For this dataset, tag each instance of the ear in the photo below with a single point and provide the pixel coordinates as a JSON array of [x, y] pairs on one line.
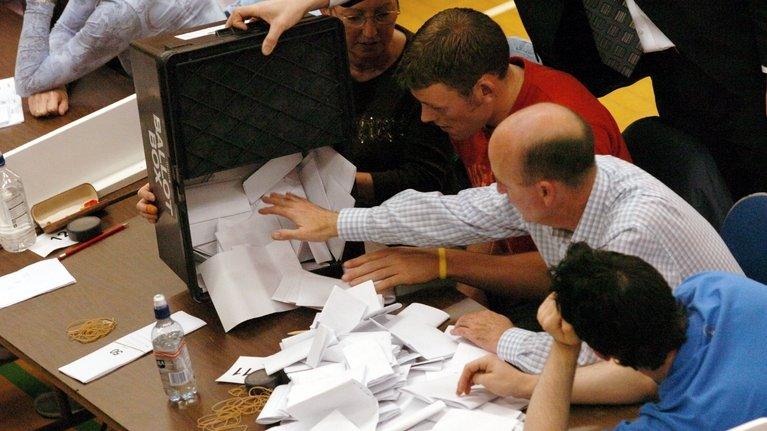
[[547, 191], [486, 87]]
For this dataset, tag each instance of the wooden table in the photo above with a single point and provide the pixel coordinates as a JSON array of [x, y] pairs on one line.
[[98, 89]]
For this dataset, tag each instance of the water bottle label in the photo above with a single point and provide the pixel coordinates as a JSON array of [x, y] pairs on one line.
[[176, 365], [17, 209]]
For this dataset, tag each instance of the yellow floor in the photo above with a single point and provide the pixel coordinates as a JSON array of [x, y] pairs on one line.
[[627, 104]]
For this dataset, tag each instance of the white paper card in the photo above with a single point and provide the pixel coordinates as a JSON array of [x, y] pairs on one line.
[[268, 175], [33, 280], [425, 314], [349, 397], [427, 340], [243, 366], [209, 201], [47, 242], [342, 312], [274, 409]]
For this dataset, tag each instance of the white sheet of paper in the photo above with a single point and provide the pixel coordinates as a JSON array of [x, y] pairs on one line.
[[342, 312], [274, 409], [443, 388], [367, 355], [326, 372], [423, 313], [322, 336], [292, 274], [204, 232], [509, 407], [11, 111], [269, 175], [254, 229], [456, 338], [427, 340], [32, 280], [101, 362], [241, 283], [315, 192], [366, 292], [461, 419], [316, 289], [243, 366], [287, 356], [209, 201], [47, 242], [335, 421], [349, 397], [465, 353], [332, 165], [405, 422]]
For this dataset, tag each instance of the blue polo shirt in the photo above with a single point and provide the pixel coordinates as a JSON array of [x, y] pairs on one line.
[[719, 377]]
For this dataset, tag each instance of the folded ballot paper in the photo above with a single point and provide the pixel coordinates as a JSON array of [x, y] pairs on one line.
[[246, 273], [357, 368], [123, 351]]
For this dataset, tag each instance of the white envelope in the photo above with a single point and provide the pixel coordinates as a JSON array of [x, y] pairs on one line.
[[349, 397], [425, 314], [274, 409], [427, 340]]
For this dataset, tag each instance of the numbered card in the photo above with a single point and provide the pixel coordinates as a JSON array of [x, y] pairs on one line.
[[48, 242], [243, 366]]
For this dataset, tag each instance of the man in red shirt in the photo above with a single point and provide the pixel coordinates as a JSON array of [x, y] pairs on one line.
[[457, 66]]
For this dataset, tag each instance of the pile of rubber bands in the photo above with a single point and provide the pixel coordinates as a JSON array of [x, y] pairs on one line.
[[227, 414], [87, 331]]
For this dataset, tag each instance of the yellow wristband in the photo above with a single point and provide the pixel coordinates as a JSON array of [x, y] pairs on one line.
[[442, 263]]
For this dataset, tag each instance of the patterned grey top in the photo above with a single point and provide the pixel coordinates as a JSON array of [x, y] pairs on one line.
[[628, 211], [90, 32]]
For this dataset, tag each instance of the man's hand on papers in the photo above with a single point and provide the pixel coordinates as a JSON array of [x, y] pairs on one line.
[[53, 102], [552, 322], [497, 376], [315, 224], [280, 14], [392, 267], [483, 328], [145, 205]]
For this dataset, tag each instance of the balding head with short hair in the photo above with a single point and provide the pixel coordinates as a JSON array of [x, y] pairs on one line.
[[545, 142]]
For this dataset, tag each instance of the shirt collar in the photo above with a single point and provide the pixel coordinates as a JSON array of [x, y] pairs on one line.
[[592, 220]]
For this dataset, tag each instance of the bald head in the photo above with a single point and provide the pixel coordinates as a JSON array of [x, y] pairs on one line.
[[543, 141]]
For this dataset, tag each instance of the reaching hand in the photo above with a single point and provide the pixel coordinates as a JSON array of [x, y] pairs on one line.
[[314, 223], [551, 321], [497, 376], [483, 328], [393, 266], [145, 205], [280, 14], [53, 102]]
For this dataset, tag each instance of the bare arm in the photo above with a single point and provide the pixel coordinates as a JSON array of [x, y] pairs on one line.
[[549, 408]]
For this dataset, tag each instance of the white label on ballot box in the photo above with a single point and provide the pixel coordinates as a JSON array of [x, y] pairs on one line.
[[123, 351]]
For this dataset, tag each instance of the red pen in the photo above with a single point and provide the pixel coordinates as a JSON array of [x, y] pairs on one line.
[[75, 248]]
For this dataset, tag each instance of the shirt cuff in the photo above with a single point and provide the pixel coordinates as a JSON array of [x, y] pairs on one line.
[[351, 224], [511, 340]]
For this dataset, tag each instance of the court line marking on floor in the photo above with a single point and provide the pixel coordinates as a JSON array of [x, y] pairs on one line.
[[501, 9]]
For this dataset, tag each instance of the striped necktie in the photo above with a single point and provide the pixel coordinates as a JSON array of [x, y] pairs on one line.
[[614, 33]]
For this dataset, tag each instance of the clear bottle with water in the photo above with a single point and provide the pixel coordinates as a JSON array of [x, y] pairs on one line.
[[172, 356], [17, 230]]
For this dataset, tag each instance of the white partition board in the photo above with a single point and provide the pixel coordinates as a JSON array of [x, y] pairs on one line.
[[103, 148]]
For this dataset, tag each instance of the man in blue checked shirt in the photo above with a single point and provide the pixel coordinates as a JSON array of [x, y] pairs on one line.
[[550, 186], [703, 344]]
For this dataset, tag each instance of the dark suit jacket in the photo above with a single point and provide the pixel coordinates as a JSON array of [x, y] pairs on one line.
[[726, 39]]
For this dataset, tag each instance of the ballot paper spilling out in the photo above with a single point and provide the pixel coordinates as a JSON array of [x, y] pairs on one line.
[[33, 280], [461, 420], [123, 351], [224, 210], [353, 369], [11, 111]]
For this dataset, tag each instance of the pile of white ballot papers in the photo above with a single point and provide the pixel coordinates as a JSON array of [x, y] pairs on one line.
[[246, 273], [360, 368]]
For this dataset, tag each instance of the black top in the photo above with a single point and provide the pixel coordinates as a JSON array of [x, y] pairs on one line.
[[391, 142]]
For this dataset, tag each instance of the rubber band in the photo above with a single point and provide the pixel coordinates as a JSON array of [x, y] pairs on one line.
[[90, 330], [227, 414]]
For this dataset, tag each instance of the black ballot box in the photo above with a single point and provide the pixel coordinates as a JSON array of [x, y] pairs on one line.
[[210, 101]]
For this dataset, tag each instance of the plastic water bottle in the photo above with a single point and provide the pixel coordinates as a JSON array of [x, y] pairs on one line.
[[17, 230], [172, 356]]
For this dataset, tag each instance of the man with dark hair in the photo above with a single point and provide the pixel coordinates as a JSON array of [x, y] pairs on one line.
[[611, 205], [703, 344]]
